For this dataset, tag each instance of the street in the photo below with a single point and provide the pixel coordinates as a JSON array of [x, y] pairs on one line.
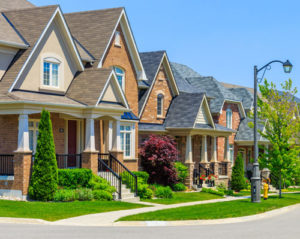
[[283, 226]]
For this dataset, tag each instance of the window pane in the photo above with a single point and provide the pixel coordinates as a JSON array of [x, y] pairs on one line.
[[46, 73], [120, 80], [118, 70], [122, 141], [127, 149], [30, 124], [31, 139], [121, 127], [159, 105], [54, 75], [127, 128]]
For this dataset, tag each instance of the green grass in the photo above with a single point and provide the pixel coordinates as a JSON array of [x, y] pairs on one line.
[[218, 210], [291, 190], [52, 211], [181, 197]]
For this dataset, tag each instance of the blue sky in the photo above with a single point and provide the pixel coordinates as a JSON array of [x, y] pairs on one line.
[[224, 39]]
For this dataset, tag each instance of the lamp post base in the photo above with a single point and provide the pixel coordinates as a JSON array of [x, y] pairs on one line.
[[255, 184]]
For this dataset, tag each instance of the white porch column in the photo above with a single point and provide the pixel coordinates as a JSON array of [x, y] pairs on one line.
[[188, 150], [214, 149], [204, 149], [90, 135], [23, 134], [227, 153], [116, 136], [110, 134]]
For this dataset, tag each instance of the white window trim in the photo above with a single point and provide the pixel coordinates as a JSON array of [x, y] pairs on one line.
[[124, 76], [35, 129], [231, 156], [117, 39], [229, 110], [132, 139], [161, 105]]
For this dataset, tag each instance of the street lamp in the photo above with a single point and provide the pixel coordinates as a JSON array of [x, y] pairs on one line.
[[255, 179]]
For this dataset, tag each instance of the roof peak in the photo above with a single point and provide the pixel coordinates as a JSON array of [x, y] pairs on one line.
[[98, 10]]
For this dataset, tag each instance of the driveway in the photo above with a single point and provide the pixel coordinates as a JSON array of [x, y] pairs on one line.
[[285, 225]]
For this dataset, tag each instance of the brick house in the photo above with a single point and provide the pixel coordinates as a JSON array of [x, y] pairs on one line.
[[87, 76]]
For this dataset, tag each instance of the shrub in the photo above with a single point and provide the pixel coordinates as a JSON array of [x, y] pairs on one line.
[[179, 187], [144, 191], [64, 195], [84, 194], [229, 192], [102, 195], [143, 175], [221, 187], [43, 182], [98, 183], [209, 190], [74, 178], [158, 154], [182, 171], [164, 192], [237, 179]]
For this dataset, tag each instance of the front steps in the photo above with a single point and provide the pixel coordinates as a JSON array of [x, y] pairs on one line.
[[126, 194]]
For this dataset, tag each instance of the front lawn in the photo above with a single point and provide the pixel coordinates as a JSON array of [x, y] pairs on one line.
[[181, 197], [52, 211], [291, 190], [218, 210]]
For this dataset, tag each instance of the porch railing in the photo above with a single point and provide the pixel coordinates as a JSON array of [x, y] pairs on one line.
[[223, 169], [6, 164], [129, 178], [66, 160]]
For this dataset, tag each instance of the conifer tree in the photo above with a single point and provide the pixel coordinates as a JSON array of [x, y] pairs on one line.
[[238, 178]]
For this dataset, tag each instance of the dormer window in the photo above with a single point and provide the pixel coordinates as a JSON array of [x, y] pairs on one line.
[[117, 39], [160, 105], [229, 118], [51, 72], [120, 73]]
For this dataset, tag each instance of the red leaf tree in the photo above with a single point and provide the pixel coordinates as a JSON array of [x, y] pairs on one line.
[[158, 154]]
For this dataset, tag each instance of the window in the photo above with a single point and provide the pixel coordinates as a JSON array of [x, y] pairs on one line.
[[229, 118], [120, 76], [51, 72], [160, 105], [231, 153], [126, 140], [33, 128], [117, 39]]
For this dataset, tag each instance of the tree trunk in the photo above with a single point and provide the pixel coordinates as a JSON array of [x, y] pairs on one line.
[[280, 184]]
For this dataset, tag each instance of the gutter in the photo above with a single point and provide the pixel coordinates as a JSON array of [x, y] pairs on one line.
[[14, 44]]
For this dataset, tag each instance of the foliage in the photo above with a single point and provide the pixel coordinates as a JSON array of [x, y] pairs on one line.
[[237, 178], [221, 187], [98, 183], [64, 195], [182, 171], [209, 190], [84, 194], [164, 192], [74, 178], [43, 182], [102, 195], [144, 192], [158, 154], [277, 110], [143, 175], [179, 187]]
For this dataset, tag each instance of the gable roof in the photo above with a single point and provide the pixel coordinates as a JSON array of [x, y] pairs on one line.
[[245, 133], [244, 95], [14, 4], [152, 62], [30, 23]]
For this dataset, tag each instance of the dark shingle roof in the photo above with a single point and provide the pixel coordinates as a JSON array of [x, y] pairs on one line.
[[245, 133], [93, 29], [183, 110], [151, 127], [244, 95], [129, 116]]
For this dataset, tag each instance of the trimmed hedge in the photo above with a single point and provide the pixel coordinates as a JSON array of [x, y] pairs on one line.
[[208, 190], [179, 187], [164, 192], [74, 178]]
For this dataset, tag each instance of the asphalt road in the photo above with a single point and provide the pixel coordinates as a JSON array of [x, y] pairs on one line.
[[284, 226]]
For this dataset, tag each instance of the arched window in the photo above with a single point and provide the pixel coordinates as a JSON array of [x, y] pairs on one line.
[[160, 104], [51, 72], [229, 118], [120, 73]]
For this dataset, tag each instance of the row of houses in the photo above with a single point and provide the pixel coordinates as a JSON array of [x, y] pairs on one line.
[[106, 97]]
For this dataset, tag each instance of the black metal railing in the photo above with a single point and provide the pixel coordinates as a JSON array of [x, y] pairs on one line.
[[6, 164], [66, 160], [108, 174], [129, 178], [223, 169]]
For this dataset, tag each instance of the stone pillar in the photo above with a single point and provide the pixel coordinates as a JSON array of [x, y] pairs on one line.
[[89, 156], [214, 150], [204, 149], [23, 134], [189, 161]]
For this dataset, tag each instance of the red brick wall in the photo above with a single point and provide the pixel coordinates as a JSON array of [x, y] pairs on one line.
[[161, 86], [8, 133]]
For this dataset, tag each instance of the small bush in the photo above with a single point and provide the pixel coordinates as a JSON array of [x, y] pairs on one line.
[[74, 178], [64, 195], [84, 194], [229, 192], [98, 183], [143, 175], [182, 171], [102, 195], [164, 192], [221, 187], [144, 191], [179, 187], [208, 190]]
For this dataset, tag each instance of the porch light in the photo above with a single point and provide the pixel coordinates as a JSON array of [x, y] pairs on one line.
[[287, 66]]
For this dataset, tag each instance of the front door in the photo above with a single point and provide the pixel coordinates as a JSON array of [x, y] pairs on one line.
[[72, 136]]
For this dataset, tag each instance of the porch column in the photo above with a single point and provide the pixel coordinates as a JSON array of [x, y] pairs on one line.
[[214, 148], [90, 135], [189, 161], [204, 149], [23, 135], [227, 153], [110, 134], [116, 136]]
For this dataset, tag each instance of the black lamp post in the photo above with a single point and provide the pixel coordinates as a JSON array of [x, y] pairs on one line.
[[255, 180]]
